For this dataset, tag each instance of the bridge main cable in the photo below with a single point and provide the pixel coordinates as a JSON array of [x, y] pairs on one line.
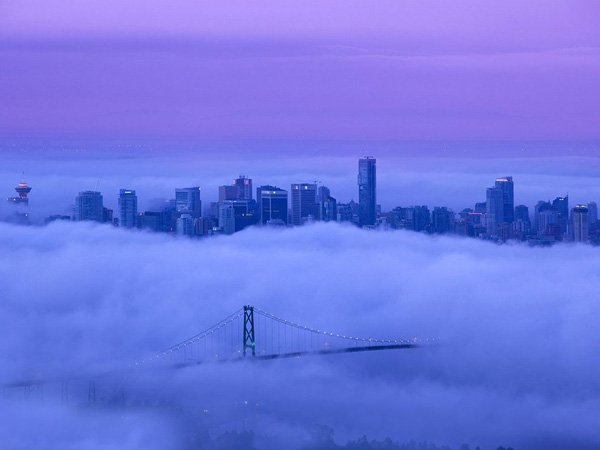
[[331, 334]]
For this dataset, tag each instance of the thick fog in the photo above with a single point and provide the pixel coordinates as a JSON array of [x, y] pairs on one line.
[[516, 361]]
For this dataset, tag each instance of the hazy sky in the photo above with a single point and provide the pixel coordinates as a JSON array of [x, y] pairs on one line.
[[275, 69]]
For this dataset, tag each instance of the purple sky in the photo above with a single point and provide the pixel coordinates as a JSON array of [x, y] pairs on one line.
[[301, 70]]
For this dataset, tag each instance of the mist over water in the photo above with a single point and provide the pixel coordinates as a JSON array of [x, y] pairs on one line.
[[516, 362]]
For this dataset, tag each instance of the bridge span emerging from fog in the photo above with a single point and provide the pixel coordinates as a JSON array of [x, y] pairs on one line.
[[248, 334]]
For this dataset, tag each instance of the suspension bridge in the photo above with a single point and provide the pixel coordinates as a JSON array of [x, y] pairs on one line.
[[248, 334]]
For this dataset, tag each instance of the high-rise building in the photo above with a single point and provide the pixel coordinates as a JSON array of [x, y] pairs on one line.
[[367, 191], [347, 212], [235, 215], [442, 220], [522, 223], [561, 206], [481, 207], [327, 205], [592, 212], [522, 213], [239, 189], [579, 223], [539, 208], [185, 224], [227, 193], [187, 200], [89, 205], [243, 185], [304, 203], [506, 186], [151, 220], [127, 208], [494, 209], [548, 223], [272, 205], [227, 217]]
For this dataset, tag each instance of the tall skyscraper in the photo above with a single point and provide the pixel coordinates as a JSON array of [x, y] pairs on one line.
[[561, 206], [579, 223], [592, 212], [304, 203], [89, 205], [235, 215], [272, 205], [239, 189], [227, 217], [243, 185], [506, 186], [442, 220], [127, 208], [327, 205], [367, 191], [540, 207], [227, 193], [494, 209], [522, 213], [187, 200], [522, 223]]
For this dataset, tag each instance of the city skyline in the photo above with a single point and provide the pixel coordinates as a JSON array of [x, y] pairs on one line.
[[299, 225], [496, 219]]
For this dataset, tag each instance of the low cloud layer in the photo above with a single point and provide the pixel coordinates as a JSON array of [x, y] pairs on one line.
[[516, 364]]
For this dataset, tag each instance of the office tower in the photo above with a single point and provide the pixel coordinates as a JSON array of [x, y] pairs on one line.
[[561, 205], [481, 207], [187, 200], [243, 185], [579, 223], [227, 193], [241, 213], [227, 218], [421, 218], [367, 189], [23, 190], [272, 205], [107, 216], [327, 205], [304, 203], [494, 209], [506, 186], [185, 224], [127, 208], [151, 220], [239, 189], [522, 213], [442, 220], [592, 213], [522, 223], [539, 208], [549, 223], [89, 205]]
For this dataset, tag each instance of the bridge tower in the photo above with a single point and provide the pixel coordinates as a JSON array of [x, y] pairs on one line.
[[249, 330]]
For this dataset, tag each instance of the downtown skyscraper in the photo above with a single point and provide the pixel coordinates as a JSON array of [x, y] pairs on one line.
[[272, 205], [367, 187], [127, 208], [89, 205], [304, 203]]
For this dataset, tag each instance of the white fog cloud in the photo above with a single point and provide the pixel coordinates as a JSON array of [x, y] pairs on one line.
[[516, 364]]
